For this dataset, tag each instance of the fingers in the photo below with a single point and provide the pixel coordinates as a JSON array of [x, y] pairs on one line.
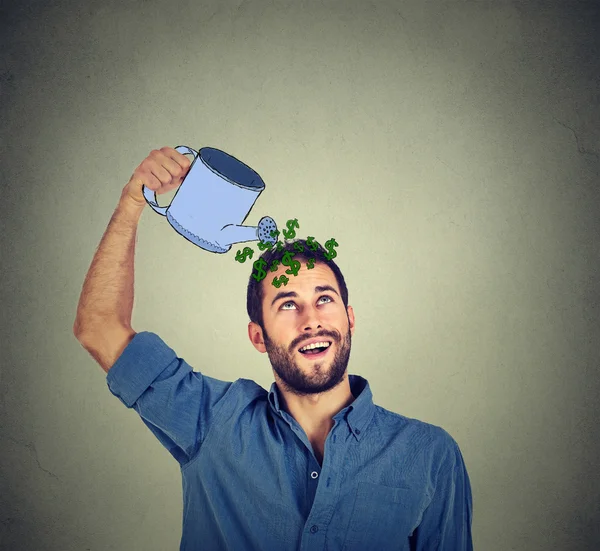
[[179, 158], [162, 170], [165, 168], [175, 163]]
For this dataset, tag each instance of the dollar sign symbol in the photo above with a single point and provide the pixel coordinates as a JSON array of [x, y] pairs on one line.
[[262, 246], [282, 279], [242, 256], [294, 265], [298, 246], [259, 266], [310, 263], [279, 246], [291, 233], [329, 246], [275, 234], [274, 265], [312, 244]]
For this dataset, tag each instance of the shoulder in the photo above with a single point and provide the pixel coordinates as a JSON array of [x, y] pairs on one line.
[[433, 438]]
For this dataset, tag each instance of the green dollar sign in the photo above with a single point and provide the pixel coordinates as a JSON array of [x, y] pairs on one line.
[[329, 246], [262, 246], [242, 256], [310, 263], [291, 233], [312, 244], [298, 246], [274, 265], [259, 265], [294, 265], [279, 246], [275, 234], [282, 279]]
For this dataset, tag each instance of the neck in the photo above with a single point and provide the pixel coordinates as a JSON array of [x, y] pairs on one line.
[[315, 412]]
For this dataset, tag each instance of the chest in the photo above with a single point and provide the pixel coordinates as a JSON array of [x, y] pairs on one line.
[[318, 447]]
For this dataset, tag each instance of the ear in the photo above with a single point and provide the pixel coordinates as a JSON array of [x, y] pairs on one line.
[[256, 337], [350, 311]]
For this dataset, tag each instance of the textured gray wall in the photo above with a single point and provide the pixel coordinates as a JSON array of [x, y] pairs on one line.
[[451, 148]]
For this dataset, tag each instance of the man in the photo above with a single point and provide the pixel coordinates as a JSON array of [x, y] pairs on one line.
[[311, 465]]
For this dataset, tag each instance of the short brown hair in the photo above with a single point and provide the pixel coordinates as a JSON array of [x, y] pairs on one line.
[[254, 295]]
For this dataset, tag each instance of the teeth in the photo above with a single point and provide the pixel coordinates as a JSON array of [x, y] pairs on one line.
[[315, 345]]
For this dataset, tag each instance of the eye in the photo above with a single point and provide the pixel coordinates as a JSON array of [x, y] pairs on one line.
[[283, 306], [329, 299]]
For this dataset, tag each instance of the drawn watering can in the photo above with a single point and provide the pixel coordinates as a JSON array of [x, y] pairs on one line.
[[213, 201]]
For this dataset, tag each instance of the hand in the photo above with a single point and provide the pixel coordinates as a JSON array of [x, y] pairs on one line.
[[161, 171]]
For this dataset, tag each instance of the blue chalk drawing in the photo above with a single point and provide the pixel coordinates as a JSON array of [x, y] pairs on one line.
[[213, 201]]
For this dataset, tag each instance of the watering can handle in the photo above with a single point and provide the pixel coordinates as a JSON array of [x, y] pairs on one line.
[[150, 195]]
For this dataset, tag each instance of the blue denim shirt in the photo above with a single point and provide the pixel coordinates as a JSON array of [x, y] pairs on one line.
[[252, 483]]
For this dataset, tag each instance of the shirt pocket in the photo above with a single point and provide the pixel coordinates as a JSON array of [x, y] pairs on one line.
[[382, 518]]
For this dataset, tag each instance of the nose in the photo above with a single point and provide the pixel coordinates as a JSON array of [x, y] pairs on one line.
[[311, 319]]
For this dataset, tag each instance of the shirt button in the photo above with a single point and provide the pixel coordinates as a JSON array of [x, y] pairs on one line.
[[357, 431], [314, 528], [314, 474]]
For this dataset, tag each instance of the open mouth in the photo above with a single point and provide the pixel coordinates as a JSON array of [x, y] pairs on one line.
[[315, 351]]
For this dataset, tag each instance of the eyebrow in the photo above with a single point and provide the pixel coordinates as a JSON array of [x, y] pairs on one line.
[[288, 294]]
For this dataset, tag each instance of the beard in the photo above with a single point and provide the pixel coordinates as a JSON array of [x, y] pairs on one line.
[[317, 377]]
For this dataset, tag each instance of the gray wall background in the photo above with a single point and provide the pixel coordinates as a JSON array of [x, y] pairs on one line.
[[451, 148]]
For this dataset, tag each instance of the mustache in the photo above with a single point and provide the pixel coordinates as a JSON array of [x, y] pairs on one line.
[[334, 335]]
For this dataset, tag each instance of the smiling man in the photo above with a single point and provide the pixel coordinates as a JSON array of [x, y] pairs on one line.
[[306, 330], [312, 464]]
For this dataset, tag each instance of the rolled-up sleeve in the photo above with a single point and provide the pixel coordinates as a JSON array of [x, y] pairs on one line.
[[446, 523], [176, 403]]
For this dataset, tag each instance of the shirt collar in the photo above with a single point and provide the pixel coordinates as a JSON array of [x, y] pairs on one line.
[[357, 414]]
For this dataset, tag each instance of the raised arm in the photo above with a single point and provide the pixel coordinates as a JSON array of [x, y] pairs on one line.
[[103, 321]]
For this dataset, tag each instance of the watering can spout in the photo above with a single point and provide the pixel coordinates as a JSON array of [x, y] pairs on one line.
[[234, 233]]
